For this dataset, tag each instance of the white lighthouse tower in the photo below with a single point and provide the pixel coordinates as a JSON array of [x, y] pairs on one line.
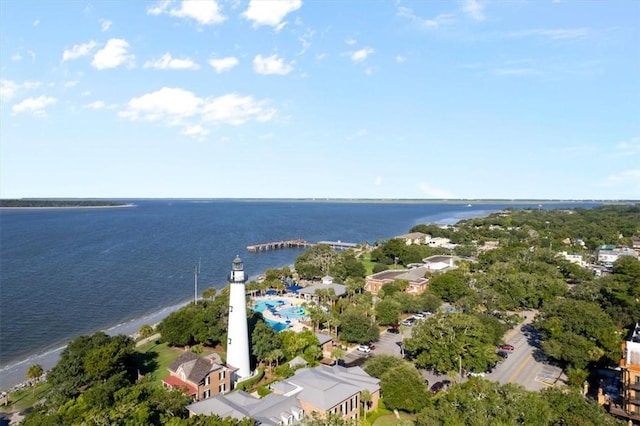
[[238, 335]]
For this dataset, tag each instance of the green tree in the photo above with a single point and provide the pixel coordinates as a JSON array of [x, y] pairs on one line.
[[145, 331], [404, 388], [264, 340], [388, 311], [448, 342], [356, 326], [34, 372], [315, 262], [450, 286], [209, 293]]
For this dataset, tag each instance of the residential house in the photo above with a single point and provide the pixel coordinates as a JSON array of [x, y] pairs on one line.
[[573, 258], [200, 377], [414, 238], [439, 263], [321, 390], [439, 242], [607, 255]]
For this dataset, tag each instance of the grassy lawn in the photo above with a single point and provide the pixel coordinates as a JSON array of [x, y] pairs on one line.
[[392, 420], [155, 358], [25, 398]]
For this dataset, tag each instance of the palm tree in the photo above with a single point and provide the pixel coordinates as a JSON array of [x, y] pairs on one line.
[[145, 331], [209, 293], [34, 372], [365, 398]]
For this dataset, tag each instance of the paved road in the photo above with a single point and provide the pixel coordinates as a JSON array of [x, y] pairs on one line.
[[524, 366]]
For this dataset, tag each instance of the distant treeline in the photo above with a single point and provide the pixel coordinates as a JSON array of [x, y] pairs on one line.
[[58, 203]]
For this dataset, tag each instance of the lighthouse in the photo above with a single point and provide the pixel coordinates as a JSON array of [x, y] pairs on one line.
[[238, 335]]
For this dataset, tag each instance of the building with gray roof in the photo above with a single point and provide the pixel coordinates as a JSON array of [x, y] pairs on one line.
[[320, 390]]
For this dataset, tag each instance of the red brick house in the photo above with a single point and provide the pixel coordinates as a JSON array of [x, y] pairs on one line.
[[199, 377]]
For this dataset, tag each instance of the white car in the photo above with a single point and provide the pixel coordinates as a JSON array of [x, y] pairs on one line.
[[364, 348], [472, 374]]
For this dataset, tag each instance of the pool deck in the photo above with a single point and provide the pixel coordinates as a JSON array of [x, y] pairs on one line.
[[296, 324]]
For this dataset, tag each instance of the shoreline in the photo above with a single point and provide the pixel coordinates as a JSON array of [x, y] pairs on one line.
[[13, 374], [67, 207]]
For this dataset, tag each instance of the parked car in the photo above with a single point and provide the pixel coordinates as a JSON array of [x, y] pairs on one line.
[[364, 348], [371, 345], [408, 322], [473, 374], [393, 330], [418, 316], [506, 347], [503, 354], [438, 386]]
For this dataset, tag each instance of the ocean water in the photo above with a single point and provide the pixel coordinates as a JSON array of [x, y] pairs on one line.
[[68, 272]]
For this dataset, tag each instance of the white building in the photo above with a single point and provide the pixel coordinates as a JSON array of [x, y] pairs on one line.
[[237, 333]]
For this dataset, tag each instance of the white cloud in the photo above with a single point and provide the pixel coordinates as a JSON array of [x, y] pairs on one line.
[[378, 181], [305, 40], [428, 23], [474, 9], [105, 24], [368, 70], [351, 41], [36, 22], [114, 54], [196, 131], [8, 89], [100, 105], [271, 65], [400, 59], [36, 106], [205, 12], [70, 83], [432, 192], [223, 64], [270, 12], [166, 62], [554, 34], [78, 50], [630, 147], [177, 107], [16, 57], [361, 55]]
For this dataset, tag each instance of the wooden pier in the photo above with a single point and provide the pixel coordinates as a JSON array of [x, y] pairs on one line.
[[274, 245], [255, 248]]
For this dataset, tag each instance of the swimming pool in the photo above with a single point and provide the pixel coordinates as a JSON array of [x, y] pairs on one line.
[[277, 326], [277, 308], [295, 312]]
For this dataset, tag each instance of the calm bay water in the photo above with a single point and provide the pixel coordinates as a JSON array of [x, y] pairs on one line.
[[68, 272]]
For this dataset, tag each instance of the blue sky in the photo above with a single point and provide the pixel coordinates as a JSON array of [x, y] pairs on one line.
[[341, 99]]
